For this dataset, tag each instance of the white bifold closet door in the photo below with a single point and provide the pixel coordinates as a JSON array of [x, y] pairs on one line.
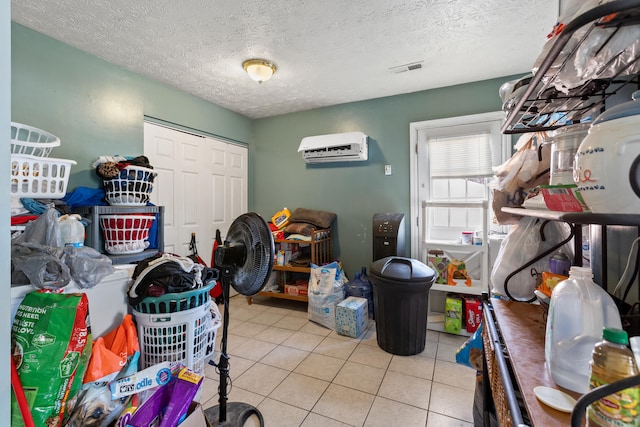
[[201, 182]]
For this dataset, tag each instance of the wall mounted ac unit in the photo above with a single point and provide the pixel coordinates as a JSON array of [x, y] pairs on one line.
[[337, 147]]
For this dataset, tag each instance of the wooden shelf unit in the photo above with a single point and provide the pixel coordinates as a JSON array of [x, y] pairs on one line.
[[321, 247]]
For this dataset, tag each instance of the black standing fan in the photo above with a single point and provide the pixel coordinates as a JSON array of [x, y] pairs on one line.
[[244, 261]]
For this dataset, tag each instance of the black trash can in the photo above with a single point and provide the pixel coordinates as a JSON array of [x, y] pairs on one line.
[[400, 296]]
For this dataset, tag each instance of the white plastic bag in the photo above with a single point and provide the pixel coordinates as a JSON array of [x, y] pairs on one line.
[[514, 179], [326, 290], [523, 244]]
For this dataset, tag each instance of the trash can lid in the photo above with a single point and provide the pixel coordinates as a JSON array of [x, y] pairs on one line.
[[402, 269]]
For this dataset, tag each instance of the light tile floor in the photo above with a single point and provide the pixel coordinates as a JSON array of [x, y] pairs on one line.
[[298, 373]]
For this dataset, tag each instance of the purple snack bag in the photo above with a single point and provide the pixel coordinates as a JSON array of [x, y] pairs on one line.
[[187, 385]]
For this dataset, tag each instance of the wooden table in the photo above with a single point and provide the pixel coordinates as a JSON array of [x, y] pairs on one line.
[[522, 327]]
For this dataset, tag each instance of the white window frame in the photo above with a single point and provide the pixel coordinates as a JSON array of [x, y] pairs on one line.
[[481, 122]]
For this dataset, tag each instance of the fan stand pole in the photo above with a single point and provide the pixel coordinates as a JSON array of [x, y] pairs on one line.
[[239, 412]]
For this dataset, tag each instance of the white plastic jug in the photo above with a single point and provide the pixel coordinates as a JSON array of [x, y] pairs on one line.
[[578, 311], [71, 230]]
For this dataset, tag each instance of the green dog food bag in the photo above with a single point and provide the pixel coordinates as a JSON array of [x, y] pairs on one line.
[[51, 340]]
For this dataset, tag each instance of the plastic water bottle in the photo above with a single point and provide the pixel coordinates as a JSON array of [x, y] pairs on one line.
[[611, 361], [361, 289], [364, 277], [578, 311], [71, 230]]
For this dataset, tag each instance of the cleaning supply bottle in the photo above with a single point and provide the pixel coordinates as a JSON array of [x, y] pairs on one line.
[[612, 360], [281, 218], [71, 230], [578, 311]]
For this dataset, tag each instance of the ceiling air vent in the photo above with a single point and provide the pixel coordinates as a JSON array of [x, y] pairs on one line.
[[407, 67]]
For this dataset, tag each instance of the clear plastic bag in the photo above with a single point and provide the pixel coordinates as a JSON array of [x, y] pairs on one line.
[[39, 265], [514, 179], [524, 243], [39, 257], [86, 265]]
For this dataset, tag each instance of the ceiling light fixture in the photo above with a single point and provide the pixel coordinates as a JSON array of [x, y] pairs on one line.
[[259, 70]]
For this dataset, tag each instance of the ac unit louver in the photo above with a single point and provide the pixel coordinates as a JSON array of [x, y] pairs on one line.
[[337, 147]]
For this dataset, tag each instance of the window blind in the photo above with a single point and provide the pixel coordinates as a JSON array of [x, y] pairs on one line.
[[460, 156]]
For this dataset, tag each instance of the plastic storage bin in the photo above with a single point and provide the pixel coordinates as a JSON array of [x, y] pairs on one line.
[[131, 188], [186, 337], [400, 296], [39, 177], [31, 141], [125, 234]]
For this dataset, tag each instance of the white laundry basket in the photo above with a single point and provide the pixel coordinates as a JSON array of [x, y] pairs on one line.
[[126, 234], [39, 177], [31, 141], [187, 337], [132, 186]]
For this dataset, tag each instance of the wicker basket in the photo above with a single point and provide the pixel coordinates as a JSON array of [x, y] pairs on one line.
[[497, 387], [31, 141], [126, 234], [39, 177], [131, 187]]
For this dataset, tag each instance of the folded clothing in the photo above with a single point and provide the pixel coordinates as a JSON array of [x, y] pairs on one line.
[[322, 219], [303, 228]]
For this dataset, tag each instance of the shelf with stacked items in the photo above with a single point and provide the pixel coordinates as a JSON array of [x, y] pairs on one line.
[[99, 216], [450, 259], [291, 261], [589, 59]]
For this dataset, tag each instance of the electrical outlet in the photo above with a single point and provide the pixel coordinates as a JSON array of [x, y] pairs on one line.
[[387, 169]]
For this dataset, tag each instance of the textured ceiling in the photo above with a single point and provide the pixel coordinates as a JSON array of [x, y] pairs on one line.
[[327, 52]]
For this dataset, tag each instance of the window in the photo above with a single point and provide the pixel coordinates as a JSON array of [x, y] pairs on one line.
[[452, 160]]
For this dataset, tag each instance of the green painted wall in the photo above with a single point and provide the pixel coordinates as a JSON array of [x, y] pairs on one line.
[[97, 108], [356, 190]]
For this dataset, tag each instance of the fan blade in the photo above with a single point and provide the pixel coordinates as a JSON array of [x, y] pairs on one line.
[[248, 252]]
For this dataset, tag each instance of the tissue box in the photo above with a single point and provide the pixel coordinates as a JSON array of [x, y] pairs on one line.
[[351, 316], [453, 314]]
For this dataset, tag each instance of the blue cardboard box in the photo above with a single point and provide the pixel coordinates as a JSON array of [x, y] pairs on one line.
[[352, 316]]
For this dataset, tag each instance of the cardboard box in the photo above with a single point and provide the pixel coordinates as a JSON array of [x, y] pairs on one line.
[[195, 417], [439, 262], [352, 316], [563, 198], [296, 289], [473, 313], [453, 314]]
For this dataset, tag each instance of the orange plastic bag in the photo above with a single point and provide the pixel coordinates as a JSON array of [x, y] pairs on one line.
[[113, 356], [111, 352]]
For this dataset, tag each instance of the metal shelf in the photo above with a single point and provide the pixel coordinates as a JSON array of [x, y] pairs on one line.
[[582, 218], [542, 107]]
